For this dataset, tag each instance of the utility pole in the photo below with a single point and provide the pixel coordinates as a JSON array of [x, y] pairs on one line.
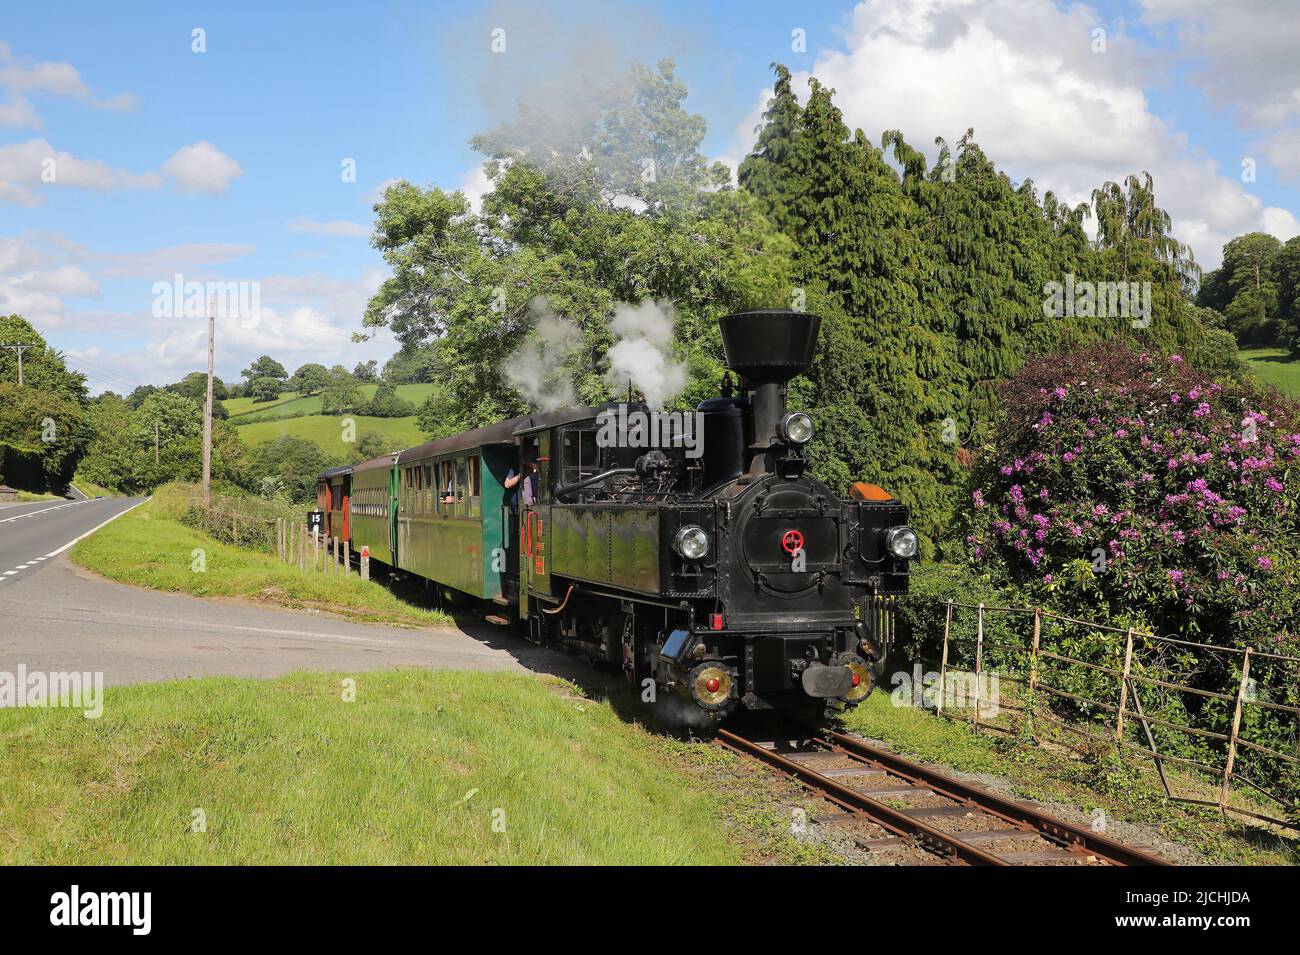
[[207, 408], [19, 349]]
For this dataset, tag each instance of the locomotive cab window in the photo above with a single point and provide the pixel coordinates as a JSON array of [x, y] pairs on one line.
[[581, 455]]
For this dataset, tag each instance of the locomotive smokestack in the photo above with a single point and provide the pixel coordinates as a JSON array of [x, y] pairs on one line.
[[768, 347]]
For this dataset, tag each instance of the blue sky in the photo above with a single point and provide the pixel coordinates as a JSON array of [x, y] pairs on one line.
[[225, 165]]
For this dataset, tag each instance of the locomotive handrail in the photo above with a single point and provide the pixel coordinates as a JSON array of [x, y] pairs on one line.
[[579, 485]]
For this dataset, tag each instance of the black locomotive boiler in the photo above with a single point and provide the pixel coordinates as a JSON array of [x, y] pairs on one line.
[[700, 557]]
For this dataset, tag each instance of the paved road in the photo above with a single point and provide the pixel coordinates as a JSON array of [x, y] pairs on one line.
[[57, 617], [32, 534]]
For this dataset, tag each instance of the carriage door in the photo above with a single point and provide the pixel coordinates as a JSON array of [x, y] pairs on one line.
[[534, 525]]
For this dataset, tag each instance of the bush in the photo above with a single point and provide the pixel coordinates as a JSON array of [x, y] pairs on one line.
[[291, 464], [386, 404], [1129, 487]]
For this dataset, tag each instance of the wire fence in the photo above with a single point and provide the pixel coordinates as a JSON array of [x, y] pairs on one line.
[[281, 534], [1227, 715]]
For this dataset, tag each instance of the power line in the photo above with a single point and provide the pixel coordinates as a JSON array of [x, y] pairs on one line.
[[111, 377]]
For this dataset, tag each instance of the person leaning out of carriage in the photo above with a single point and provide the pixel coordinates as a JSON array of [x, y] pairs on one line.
[[529, 479]]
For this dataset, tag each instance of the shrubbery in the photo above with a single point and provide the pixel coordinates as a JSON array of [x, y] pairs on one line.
[[1128, 486]]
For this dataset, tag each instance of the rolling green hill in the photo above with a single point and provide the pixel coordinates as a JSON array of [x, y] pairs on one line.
[[290, 404], [1272, 367], [327, 431]]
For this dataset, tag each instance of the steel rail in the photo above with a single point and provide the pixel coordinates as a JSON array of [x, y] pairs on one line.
[[1057, 830], [894, 820]]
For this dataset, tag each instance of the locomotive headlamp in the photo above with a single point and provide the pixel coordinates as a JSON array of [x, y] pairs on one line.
[[901, 542], [862, 682], [796, 427], [691, 542], [710, 685]]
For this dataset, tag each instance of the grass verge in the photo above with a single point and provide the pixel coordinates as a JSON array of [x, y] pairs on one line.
[[422, 767], [150, 548], [1062, 774], [91, 489], [27, 497]]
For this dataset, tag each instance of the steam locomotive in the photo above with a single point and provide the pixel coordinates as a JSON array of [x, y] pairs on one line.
[[693, 552]]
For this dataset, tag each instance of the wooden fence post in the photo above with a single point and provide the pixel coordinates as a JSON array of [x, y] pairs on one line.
[[365, 564], [234, 528], [1236, 727], [979, 666], [279, 538], [315, 548], [347, 558], [943, 662], [1123, 686], [302, 547], [1033, 663]]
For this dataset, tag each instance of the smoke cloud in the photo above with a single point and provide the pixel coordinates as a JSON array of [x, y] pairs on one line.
[[642, 352], [539, 367]]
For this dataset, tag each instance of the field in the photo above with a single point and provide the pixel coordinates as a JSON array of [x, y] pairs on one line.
[[327, 431], [1272, 367], [422, 767], [289, 404], [149, 547]]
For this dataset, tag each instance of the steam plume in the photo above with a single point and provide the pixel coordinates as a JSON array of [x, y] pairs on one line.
[[538, 367], [643, 352]]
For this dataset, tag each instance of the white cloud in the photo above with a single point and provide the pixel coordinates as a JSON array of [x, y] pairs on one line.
[[33, 165], [335, 227], [21, 78], [1042, 103], [474, 185], [1242, 53], [38, 295], [202, 167], [303, 318], [1282, 149], [746, 134]]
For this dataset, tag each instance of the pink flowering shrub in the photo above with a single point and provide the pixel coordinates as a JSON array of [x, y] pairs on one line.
[[1129, 487]]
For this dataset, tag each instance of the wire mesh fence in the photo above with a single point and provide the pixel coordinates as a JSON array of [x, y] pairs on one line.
[[1225, 715]]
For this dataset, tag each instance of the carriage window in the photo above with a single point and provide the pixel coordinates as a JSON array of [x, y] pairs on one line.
[[446, 488], [460, 487], [474, 489]]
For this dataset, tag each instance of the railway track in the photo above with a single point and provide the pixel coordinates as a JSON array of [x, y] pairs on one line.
[[915, 805]]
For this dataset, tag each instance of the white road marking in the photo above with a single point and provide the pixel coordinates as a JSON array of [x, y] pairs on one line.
[[56, 553], [19, 517]]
